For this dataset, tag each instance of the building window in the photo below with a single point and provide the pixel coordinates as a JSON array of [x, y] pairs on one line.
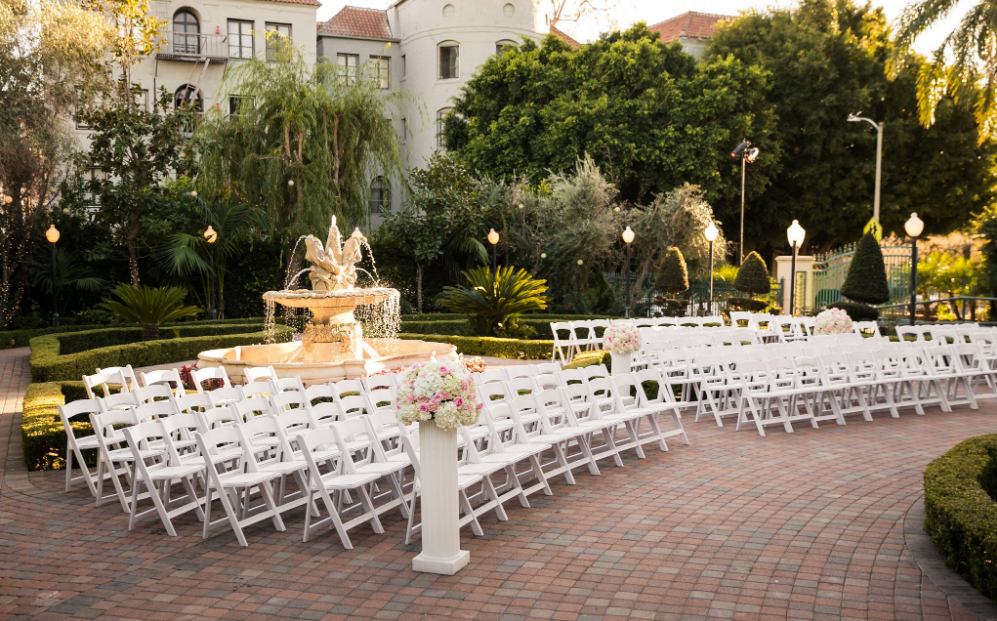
[[440, 117], [380, 195], [186, 33], [279, 41], [382, 71], [404, 66], [449, 61], [91, 179], [187, 95], [349, 67], [502, 47], [240, 39], [141, 98], [234, 104], [404, 136]]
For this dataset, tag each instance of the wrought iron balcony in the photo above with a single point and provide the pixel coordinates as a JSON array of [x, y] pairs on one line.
[[194, 47]]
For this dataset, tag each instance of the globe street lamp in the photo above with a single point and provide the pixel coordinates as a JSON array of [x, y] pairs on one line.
[[914, 227], [628, 238], [748, 154], [795, 234], [211, 236], [879, 158], [711, 234], [52, 235], [493, 239]]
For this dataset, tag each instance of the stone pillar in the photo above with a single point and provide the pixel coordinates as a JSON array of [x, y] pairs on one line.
[[805, 294]]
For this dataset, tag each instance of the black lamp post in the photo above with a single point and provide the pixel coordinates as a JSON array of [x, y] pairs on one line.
[[711, 234], [628, 238], [52, 235], [211, 236], [795, 234], [493, 239], [914, 227]]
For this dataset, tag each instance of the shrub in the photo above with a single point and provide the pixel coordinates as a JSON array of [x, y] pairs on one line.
[[747, 304], [866, 280], [494, 302], [753, 276], [858, 312], [961, 516], [591, 358], [490, 346], [149, 306], [42, 435], [673, 276], [672, 308]]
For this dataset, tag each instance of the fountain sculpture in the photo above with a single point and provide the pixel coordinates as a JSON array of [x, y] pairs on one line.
[[332, 345]]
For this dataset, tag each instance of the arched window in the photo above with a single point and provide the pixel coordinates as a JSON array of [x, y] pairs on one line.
[[449, 60], [186, 33], [441, 116], [380, 195], [501, 47], [187, 95]]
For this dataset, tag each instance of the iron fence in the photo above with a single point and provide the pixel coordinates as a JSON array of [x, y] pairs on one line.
[[831, 269]]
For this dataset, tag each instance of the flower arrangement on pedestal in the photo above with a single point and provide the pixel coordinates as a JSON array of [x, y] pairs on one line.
[[833, 321], [621, 338], [440, 391]]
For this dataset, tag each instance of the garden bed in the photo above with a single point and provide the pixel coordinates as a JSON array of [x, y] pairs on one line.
[[960, 489]]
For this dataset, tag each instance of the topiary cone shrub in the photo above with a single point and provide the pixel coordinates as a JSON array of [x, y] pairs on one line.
[[753, 276], [866, 281], [673, 275]]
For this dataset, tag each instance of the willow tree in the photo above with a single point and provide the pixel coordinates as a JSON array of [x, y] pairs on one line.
[[301, 142]]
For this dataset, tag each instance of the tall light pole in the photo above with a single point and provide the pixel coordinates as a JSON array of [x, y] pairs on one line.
[[211, 236], [52, 235], [748, 154], [628, 238], [795, 234], [493, 239], [711, 233], [879, 157], [914, 227]]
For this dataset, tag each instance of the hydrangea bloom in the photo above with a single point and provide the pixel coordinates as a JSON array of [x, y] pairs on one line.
[[833, 321], [621, 338], [440, 391]]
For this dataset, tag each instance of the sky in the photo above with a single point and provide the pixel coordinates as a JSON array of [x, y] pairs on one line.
[[627, 12]]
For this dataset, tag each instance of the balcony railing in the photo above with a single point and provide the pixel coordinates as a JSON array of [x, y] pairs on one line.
[[191, 47]]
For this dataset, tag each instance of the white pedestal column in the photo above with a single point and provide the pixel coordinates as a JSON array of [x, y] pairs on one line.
[[441, 553], [622, 363]]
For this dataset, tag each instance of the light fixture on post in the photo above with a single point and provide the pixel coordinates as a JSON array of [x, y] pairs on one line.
[[914, 227], [711, 234], [493, 239], [748, 155], [795, 234], [879, 158], [211, 236], [628, 238], [52, 235]]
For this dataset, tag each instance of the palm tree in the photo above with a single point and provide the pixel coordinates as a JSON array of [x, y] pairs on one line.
[[970, 50], [148, 306], [495, 302]]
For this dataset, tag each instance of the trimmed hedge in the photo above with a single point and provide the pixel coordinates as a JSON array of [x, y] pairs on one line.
[[591, 358], [461, 327], [22, 338], [857, 311], [49, 364], [548, 317], [959, 500], [42, 435], [490, 346]]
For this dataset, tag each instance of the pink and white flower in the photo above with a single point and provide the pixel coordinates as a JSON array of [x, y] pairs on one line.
[[621, 338], [833, 321], [438, 391]]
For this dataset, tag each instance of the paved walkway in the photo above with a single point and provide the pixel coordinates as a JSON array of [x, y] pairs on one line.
[[802, 526]]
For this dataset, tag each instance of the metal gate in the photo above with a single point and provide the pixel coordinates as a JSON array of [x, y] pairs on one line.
[[831, 269]]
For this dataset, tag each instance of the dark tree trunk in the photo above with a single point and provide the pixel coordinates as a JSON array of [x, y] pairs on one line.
[[418, 288], [150, 332]]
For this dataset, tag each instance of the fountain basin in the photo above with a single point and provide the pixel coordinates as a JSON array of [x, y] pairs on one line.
[[329, 306], [323, 362]]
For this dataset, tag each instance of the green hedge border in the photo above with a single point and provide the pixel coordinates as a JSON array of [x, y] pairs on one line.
[[42, 435], [10, 339], [48, 364], [961, 514], [488, 346]]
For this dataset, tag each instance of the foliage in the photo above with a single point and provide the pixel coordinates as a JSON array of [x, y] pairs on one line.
[[302, 145], [673, 277], [747, 304], [149, 306], [866, 280], [590, 359], [48, 364], [51, 64], [725, 273], [985, 226], [490, 346], [494, 302], [961, 516], [825, 60], [648, 114], [858, 312], [753, 276], [941, 273]]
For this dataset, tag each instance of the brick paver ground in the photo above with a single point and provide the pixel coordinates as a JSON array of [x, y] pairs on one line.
[[801, 526]]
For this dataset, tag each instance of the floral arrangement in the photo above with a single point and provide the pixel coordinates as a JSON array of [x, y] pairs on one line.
[[440, 391], [473, 365], [833, 321], [188, 379], [621, 338]]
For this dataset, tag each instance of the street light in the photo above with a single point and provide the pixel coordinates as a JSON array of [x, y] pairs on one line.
[[795, 234], [52, 235], [879, 158], [211, 236], [748, 155], [493, 239], [914, 227], [628, 238], [711, 234]]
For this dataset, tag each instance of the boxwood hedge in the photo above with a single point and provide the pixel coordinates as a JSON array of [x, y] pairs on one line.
[[488, 346], [42, 434], [22, 338], [960, 489]]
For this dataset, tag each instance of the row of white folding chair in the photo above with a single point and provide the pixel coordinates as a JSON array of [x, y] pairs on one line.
[[573, 337], [678, 322], [121, 377]]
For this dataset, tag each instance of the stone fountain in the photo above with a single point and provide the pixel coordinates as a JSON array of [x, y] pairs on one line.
[[332, 346]]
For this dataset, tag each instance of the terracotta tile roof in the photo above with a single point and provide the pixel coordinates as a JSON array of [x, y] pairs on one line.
[[688, 26], [358, 22], [560, 34], [305, 2]]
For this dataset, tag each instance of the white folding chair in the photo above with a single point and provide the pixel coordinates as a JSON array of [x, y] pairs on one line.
[[75, 445], [168, 377], [114, 460], [199, 376], [255, 374]]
